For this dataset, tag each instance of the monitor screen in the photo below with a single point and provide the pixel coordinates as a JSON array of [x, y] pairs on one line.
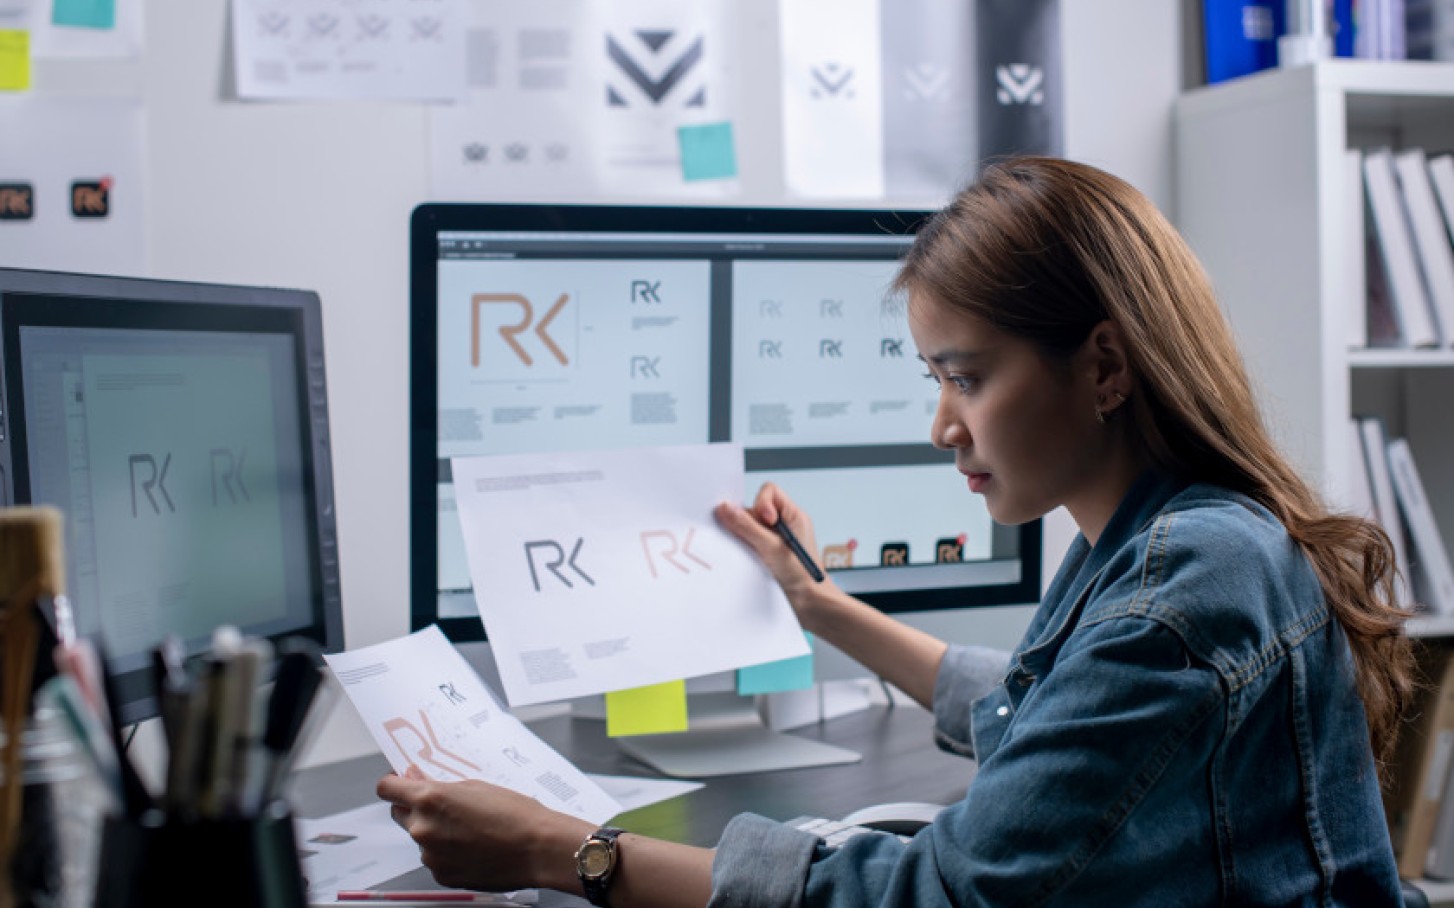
[[551, 328], [182, 431]]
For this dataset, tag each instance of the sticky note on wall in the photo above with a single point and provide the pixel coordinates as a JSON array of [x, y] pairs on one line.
[[84, 13], [707, 152], [771, 677], [14, 60], [651, 710]]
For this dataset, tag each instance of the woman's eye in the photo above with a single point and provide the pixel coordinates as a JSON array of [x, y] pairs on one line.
[[964, 383], [932, 377]]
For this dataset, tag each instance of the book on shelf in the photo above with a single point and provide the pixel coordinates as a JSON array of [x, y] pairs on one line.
[[1360, 490], [1417, 785], [1431, 240], [1396, 248], [1439, 860], [1385, 502], [1433, 576], [1355, 233], [1441, 177]]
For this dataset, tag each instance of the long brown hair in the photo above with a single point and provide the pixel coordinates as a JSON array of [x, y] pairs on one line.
[[1045, 249]]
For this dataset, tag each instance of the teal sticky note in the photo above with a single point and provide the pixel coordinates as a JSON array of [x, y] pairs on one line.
[[707, 151], [84, 13], [770, 677]]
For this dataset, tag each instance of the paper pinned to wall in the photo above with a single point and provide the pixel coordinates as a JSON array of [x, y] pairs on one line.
[[14, 60], [75, 29], [72, 194], [575, 100], [906, 98], [348, 49]]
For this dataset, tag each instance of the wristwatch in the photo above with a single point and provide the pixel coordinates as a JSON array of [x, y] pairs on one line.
[[596, 863]]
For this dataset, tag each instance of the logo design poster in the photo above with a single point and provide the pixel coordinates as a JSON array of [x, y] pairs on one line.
[[572, 99], [906, 98]]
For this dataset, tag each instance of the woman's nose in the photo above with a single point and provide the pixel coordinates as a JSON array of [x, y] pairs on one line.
[[947, 432]]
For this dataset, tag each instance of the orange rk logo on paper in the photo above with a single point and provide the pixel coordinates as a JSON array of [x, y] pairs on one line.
[[667, 549], [510, 331], [424, 747]]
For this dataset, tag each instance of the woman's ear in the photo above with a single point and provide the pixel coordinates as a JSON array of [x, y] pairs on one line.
[[1108, 364]]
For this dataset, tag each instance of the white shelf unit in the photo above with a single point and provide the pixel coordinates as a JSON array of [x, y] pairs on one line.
[[1260, 186], [1260, 197]]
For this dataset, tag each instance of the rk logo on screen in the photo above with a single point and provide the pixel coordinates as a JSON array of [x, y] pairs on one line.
[[512, 315]]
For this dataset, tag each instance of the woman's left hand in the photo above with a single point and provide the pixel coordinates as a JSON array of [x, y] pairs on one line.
[[474, 835]]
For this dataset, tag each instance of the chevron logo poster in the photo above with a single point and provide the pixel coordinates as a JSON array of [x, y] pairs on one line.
[[831, 80], [655, 67], [926, 82], [1019, 83]]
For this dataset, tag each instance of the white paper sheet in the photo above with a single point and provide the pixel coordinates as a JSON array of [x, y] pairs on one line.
[[360, 848], [355, 849], [570, 99], [603, 570], [71, 146], [428, 709], [348, 49], [632, 792]]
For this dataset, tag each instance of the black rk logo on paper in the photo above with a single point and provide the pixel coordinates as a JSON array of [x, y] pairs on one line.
[[653, 51]]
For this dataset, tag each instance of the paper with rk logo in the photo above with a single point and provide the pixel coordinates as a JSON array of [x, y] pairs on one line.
[[426, 708], [604, 570]]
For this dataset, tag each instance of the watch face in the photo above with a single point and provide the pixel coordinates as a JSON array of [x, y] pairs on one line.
[[595, 858]]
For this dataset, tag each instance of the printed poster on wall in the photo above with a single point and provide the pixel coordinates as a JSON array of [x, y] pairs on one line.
[[348, 49], [71, 194], [574, 99], [905, 99], [75, 29]]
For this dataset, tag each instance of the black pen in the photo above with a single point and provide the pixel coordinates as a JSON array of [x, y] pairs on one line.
[[798, 550]]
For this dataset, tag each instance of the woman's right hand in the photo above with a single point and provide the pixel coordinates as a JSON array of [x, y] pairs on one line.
[[754, 526]]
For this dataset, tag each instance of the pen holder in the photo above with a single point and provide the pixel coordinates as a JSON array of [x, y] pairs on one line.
[[230, 862]]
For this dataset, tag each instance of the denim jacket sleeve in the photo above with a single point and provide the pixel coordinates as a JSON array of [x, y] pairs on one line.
[[1101, 740], [966, 674]]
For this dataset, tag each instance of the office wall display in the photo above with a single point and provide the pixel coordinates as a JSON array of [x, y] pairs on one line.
[[348, 49], [907, 98], [61, 30], [72, 192], [574, 99]]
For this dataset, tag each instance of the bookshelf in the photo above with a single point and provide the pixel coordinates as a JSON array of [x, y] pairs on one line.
[[1261, 198]]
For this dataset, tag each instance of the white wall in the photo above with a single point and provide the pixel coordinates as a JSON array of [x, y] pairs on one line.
[[319, 196]]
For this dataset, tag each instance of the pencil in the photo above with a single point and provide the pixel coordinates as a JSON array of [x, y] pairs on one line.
[[803, 557]]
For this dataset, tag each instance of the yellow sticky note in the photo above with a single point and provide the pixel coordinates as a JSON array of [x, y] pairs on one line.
[[649, 710], [14, 60]]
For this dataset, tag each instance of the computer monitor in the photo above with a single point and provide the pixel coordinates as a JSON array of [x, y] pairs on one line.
[[182, 430], [555, 327]]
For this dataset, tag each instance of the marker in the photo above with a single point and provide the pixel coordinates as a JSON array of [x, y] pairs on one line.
[[803, 557], [439, 895]]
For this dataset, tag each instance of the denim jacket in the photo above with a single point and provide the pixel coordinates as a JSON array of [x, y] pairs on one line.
[[1179, 726]]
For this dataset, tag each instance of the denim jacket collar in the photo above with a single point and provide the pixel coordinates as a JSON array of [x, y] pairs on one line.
[[1083, 563]]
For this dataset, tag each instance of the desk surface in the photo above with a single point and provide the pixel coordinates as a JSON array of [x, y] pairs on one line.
[[900, 763]]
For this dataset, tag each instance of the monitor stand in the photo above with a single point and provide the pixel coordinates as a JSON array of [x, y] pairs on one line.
[[727, 736]]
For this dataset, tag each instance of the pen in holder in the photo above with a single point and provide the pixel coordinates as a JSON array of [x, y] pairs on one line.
[[158, 860]]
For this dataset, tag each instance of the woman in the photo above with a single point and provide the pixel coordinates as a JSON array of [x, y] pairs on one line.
[[1193, 714]]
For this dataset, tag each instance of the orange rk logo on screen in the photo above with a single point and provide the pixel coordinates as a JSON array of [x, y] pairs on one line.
[[510, 331]]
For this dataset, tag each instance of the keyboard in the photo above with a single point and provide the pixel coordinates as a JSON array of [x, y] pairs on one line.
[[835, 832]]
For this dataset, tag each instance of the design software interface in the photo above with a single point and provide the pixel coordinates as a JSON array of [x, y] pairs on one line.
[[788, 344]]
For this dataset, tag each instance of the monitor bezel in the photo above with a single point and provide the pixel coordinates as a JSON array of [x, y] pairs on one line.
[[430, 219], [209, 306]]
